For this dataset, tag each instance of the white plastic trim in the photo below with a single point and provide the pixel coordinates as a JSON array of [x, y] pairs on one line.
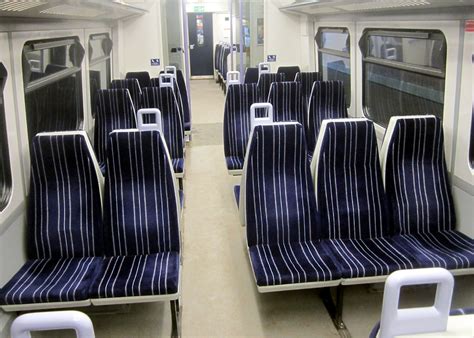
[[264, 67], [55, 320], [233, 77], [387, 139], [260, 121], [397, 321], [149, 126], [171, 70], [45, 306], [166, 80]]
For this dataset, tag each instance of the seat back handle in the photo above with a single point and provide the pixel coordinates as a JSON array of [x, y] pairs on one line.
[[264, 67], [149, 126], [166, 80], [233, 77], [171, 70], [395, 321], [259, 121]]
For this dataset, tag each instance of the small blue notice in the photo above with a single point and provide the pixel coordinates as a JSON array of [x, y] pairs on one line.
[[155, 62], [271, 58]]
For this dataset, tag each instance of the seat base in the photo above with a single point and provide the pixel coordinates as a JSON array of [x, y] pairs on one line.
[[134, 300], [45, 306]]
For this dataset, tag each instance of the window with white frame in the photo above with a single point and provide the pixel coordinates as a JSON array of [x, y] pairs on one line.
[[5, 171]]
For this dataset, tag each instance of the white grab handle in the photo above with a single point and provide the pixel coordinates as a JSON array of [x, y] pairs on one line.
[[397, 321], [264, 67], [54, 320], [233, 78], [149, 126], [260, 121], [171, 70], [166, 80]]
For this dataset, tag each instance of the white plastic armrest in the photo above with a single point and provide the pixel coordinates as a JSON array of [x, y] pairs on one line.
[[397, 321], [233, 77], [259, 121], [171, 70], [264, 67], [166, 80], [149, 126], [54, 320]]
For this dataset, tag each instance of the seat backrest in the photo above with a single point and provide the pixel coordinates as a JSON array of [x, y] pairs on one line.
[[289, 71], [287, 102], [307, 79], [141, 198], [133, 87], [173, 132], [251, 75], [64, 202], [326, 102], [115, 110], [142, 77], [348, 181], [264, 82], [415, 175], [183, 95], [277, 199], [238, 100], [155, 82]]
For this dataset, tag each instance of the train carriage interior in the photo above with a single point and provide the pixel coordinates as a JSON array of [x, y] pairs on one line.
[[236, 168]]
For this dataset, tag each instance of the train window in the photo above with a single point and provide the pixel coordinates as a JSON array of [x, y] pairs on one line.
[[334, 57], [100, 46], [403, 73], [471, 145], [53, 84], [5, 172]]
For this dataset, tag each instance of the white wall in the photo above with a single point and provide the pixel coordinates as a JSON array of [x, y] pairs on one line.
[[140, 39]]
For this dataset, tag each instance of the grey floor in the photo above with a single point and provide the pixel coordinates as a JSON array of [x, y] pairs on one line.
[[219, 296]]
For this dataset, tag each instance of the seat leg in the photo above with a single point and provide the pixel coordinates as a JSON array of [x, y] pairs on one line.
[[180, 182], [175, 319], [335, 309]]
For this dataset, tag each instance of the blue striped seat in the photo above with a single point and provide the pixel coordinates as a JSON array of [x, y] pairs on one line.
[[183, 92], [133, 87], [142, 77], [155, 82], [141, 219], [326, 102], [306, 79], [64, 223], [279, 209], [417, 185], [114, 110], [351, 200], [173, 132], [289, 71], [264, 82], [238, 100], [287, 102], [251, 75]]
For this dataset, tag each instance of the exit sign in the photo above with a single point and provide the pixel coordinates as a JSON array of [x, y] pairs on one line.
[[199, 8]]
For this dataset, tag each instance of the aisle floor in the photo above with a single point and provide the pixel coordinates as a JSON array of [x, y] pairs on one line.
[[219, 296]]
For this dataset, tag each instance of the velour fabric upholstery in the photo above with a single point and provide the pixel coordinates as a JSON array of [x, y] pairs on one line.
[[287, 102], [224, 57], [51, 280], [164, 99], [280, 209], [351, 200], [114, 110], [264, 82], [326, 102], [307, 79], [417, 185], [251, 75], [133, 87], [155, 82], [289, 71], [141, 221], [64, 223], [183, 92], [140, 275], [142, 77], [238, 100]]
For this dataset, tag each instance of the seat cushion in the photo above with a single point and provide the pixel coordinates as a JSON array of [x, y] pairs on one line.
[[370, 257], [234, 162], [187, 126], [178, 165], [141, 275], [292, 263], [51, 280], [445, 249]]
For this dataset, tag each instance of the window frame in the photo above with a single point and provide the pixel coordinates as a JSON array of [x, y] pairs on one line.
[[419, 33], [336, 28], [7, 185]]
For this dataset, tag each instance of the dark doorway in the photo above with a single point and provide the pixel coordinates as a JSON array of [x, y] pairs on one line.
[[201, 43]]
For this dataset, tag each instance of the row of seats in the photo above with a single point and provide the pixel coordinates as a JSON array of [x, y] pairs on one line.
[[221, 61], [303, 101], [90, 244], [343, 220]]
